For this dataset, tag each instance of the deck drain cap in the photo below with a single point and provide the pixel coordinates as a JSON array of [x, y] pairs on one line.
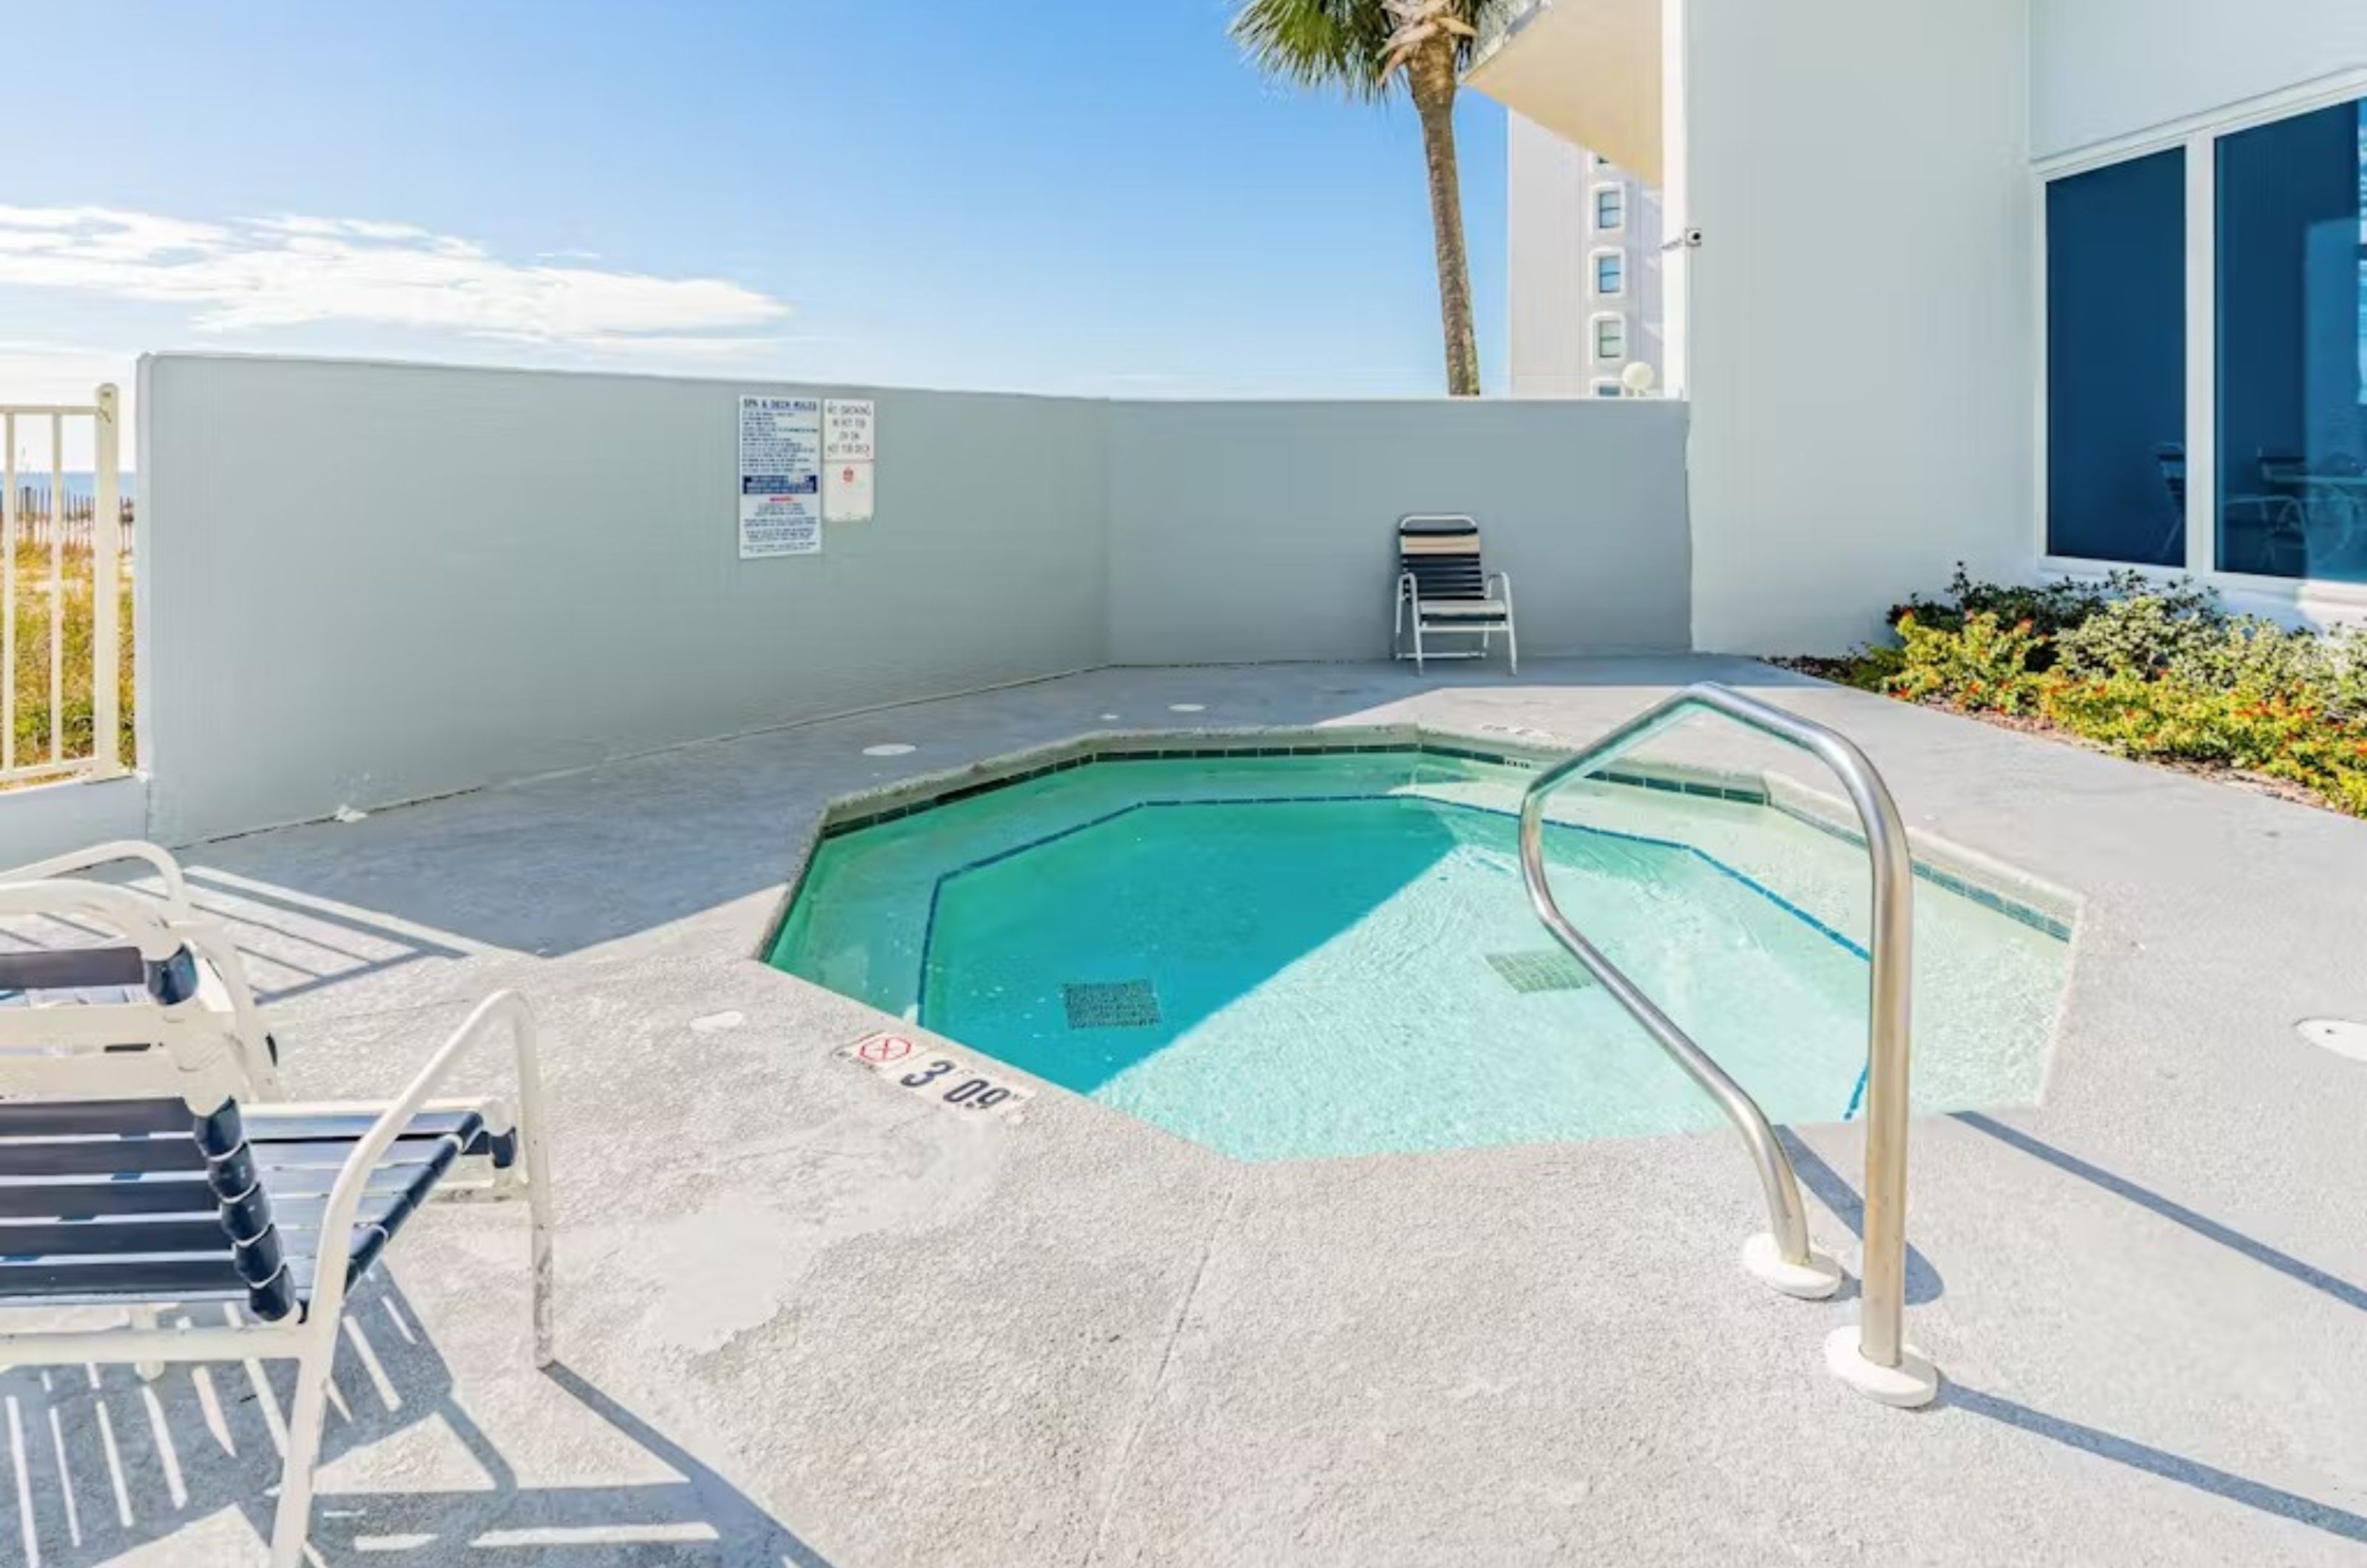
[[1543, 969], [2344, 1037], [1119, 1004]]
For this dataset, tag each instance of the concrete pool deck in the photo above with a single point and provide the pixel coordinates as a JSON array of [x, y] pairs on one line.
[[803, 1319]]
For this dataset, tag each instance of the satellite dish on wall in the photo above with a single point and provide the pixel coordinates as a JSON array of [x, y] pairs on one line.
[[1637, 380]]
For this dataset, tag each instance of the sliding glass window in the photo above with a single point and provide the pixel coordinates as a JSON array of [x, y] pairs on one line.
[[2117, 362], [2292, 283]]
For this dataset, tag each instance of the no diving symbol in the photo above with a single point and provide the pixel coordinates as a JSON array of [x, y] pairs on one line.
[[882, 1049]]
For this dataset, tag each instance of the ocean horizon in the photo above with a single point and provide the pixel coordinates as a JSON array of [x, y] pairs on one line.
[[81, 484]]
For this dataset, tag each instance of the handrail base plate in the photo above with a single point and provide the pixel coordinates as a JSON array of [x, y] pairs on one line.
[[1914, 1382], [1811, 1281]]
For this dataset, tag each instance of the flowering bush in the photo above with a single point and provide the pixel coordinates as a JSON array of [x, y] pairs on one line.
[[2172, 719], [2154, 671], [1982, 667]]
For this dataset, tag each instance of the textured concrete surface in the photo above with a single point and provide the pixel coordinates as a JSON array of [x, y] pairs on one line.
[[806, 1320]]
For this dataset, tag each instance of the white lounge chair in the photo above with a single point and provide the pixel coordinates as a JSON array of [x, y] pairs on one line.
[[1444, 587], [265, 1211], [168, 996]]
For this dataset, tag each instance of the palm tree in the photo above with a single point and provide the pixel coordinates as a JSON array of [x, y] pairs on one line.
[[1367, 49]]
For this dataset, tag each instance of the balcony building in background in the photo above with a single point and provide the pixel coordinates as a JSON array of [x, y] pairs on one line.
[[1585, 252]]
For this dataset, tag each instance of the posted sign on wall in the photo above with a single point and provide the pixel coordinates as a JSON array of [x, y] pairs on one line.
[[780, 475], [849, 431]]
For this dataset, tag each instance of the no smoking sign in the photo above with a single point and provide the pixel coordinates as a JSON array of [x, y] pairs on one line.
[[882, 1049]]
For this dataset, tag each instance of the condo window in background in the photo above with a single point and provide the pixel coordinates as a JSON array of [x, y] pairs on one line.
[[1610, 272], [2293, 347], [2117, 362], [1609, 389], [1610, 337], [1610, 206]]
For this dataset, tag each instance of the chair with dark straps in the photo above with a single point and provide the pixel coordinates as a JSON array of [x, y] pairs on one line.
[[264, 1214], [170, 996], [1444, 587]]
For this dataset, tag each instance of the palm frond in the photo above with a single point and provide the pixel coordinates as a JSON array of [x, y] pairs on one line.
[[1347, 44], [1317, 43]]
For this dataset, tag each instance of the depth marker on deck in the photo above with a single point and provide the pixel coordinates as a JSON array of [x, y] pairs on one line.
[[945, 1081]]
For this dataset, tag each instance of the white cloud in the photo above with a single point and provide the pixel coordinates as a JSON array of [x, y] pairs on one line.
[[33, 372], [293, 270]]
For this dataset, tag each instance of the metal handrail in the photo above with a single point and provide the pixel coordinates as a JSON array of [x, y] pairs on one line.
[[1880, 1341]]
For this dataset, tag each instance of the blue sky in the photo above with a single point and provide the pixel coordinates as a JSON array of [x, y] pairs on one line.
[[1081, 197]]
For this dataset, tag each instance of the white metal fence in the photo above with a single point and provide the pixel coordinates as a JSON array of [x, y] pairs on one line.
[[61, 593]]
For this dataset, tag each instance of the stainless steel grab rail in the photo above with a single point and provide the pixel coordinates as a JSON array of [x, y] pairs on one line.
[[1879, 1362]]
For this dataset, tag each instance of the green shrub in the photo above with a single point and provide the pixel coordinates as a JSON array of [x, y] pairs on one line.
[[2050, 608], [2151, 669], [2148, 632], [2171, 719], [1983, 666]]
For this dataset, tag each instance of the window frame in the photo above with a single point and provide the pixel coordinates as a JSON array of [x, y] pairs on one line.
[[1594, 196], [1594, 325], [1594, 259], [2199, 136]]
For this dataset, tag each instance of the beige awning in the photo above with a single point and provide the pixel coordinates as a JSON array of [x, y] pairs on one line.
[[1586, 70]]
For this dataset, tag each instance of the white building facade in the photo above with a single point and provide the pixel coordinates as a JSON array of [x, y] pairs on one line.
[[2101, 299], [1584, 250]]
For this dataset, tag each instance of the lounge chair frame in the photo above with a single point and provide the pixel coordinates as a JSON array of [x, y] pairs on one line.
[[501, 1158], [1444, 587]]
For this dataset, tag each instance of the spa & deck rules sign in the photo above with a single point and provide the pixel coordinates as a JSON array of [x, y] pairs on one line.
[[780, 475]]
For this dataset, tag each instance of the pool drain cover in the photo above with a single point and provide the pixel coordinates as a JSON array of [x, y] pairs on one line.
[[1546, 969], [1113, 1004]]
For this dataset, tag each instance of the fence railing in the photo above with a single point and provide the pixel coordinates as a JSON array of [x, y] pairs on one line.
[[37, 521], [61, 600]]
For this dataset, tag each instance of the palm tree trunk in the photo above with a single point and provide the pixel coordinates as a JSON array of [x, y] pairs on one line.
[[1429, 75]]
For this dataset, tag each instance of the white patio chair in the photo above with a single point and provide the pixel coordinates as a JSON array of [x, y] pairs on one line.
[[268, 1212], [1443, 587], [169, 997]]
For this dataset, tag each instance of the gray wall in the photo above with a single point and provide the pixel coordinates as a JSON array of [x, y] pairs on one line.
[[1244, 532], [366, 583], [361, 585]]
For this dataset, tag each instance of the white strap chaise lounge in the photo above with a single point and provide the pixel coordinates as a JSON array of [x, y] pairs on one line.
[[251, 1219], [1444, 587]]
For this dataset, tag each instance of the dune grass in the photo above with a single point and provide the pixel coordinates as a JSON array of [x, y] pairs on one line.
[[36, 720]]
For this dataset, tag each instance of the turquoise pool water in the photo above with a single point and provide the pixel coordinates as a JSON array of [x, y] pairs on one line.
[[1301, 958]]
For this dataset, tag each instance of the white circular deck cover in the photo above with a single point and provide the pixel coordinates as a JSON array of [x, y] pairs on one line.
[[2344, 1037]]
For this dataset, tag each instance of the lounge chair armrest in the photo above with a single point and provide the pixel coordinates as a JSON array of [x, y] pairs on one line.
[[212, 944], [135, 915], [1503, 580], [158, 859], [353, 1179], [1409, 587]]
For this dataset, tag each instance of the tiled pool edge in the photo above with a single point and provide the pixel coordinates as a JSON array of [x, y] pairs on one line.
[[2004, 889], [1989, 883]]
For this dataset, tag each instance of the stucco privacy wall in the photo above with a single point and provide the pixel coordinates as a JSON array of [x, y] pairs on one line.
[[1249, 532], [1862, 390], [2102, 69], [366, 583]]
